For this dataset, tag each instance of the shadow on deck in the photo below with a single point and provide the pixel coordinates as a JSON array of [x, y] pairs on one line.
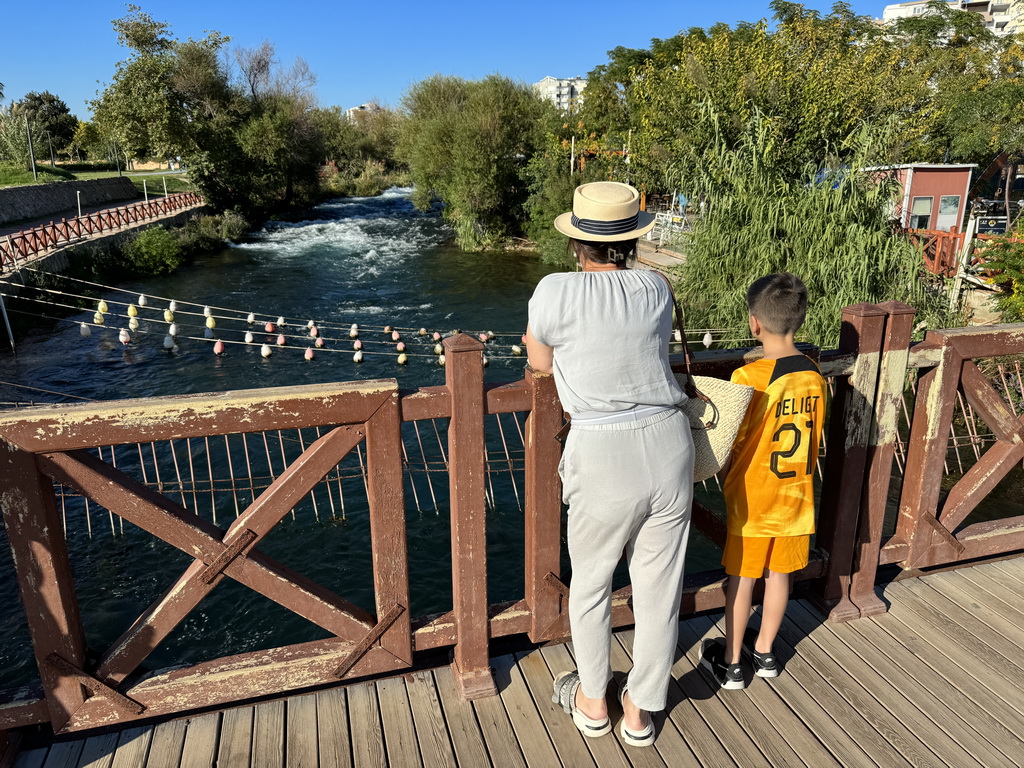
[[938, 680]]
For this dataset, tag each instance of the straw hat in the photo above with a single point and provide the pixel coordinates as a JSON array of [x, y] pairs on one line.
[[605, 212]]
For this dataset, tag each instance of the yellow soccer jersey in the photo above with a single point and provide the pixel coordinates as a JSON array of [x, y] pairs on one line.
[[770, 487]]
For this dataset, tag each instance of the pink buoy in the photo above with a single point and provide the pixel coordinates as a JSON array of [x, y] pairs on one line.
[[401, 346], [523, 337], [357, 344], [319, 341], [483, 337], [218, 348], [436, 336], [395, 335], [269, 327], [308, 354], [387, 329], [313, 332], [280, 340]]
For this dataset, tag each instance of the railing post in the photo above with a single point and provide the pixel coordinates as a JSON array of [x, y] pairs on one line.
[[36, 535], [467, 448], [892, 380], [543, 503], [386, 494], [849, 431]]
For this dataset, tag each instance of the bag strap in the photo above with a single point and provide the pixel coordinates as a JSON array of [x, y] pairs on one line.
[[687, 354]]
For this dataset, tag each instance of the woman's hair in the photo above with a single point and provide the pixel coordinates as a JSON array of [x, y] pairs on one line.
[[619, 252]]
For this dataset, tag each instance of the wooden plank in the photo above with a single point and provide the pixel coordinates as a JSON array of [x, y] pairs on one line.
[[64, 754], [996, 607], [888, 739], [44, 428], [431, 731], [791, 687], [533, 738], [268, 735], [132, 747], [889, 696], [167, 746], [1014, 569], [983, 645], [396, 716], [980, 682], [200, 747], [98, 751], [364, 720], [333, 740], [751, 718], [236, 738], [565, 737], [766, 700], [31, 758], [606, 751], [466, 732], [980, 732], [302, 728]]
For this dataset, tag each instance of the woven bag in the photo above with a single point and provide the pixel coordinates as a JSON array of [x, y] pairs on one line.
[[715, 409]]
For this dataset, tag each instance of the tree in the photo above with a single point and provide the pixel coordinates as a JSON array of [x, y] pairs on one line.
[[467, 144], [52, 116]]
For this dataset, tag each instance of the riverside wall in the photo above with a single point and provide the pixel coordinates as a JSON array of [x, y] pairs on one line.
[[34, 201]]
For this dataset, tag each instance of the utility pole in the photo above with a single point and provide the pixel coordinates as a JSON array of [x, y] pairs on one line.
[[572, 157], [49, 141], [31, 151]]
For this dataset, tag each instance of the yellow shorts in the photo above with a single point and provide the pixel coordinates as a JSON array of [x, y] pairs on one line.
[[750, 555]]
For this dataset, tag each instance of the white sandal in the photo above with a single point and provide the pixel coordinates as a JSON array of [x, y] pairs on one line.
[[564, 695], [644, 738]]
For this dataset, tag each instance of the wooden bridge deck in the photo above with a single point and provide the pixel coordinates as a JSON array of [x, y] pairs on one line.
[[939, 680]]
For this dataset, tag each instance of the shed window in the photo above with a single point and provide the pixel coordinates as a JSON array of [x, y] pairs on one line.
[[921, 213]]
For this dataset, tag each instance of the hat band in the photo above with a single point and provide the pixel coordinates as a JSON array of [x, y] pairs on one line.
[[595, 227]]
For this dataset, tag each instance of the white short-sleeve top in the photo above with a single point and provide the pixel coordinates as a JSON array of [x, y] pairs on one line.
[[610, 333]]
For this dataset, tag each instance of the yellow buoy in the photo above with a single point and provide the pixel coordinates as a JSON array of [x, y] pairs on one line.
[[211, 322], [98, 318], [168, 316], [403, 359], [102, 307], [132, 311]]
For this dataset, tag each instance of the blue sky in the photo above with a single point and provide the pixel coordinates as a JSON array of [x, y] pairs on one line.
[[359, 50]]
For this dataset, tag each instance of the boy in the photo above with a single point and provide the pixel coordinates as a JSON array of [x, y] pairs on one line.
[[769, 480]]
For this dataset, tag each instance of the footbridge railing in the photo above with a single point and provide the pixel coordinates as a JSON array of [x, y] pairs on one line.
[[370, 435], [22, 246]]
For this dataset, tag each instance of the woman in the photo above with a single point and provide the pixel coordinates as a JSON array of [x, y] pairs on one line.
[[627, 467]]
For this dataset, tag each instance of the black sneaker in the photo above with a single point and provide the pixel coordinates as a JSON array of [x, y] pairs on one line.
[[712, 656], [764, 664]]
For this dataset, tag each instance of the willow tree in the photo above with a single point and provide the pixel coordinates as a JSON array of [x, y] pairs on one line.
[[467, 144]]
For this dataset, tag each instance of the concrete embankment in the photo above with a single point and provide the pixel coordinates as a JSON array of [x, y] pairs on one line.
[[35, 201]]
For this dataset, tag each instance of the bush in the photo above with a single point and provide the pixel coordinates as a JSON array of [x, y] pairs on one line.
[[154, 251], [89, 167], [1004, 259]]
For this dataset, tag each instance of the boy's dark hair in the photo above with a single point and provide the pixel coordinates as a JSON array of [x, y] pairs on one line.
[[779, 302]]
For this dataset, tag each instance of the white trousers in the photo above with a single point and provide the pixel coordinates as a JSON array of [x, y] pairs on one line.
[[629, 487]]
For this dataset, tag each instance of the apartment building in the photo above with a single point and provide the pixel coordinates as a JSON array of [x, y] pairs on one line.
[[1001, 16], [564, 93]]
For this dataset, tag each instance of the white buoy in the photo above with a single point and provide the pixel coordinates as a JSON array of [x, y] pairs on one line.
[[85, 330], [319, 342], [423, 331], [143, 301], [280, 340], [266, 351], [308, 354], [280, 321], [357, 357], [387, 329], [438, 349], [133, 323], [400, 346], [168, 316], [218, 348], [248, 337], [132, 311], [168, 342], [517, 350], [123, 336], [98, 318], [172, 330], [207, 312], [490, 335], [211, 322], [173, 306], [487, 361], [353, 332], [440, 361], [403, 359], [251, 319], [357, 345], [208, 333], [102, 307], [678, 336], [708, 340], [310, 324]]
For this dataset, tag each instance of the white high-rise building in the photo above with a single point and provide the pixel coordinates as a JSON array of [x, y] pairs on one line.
[[564, 93], [1001, 16]]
